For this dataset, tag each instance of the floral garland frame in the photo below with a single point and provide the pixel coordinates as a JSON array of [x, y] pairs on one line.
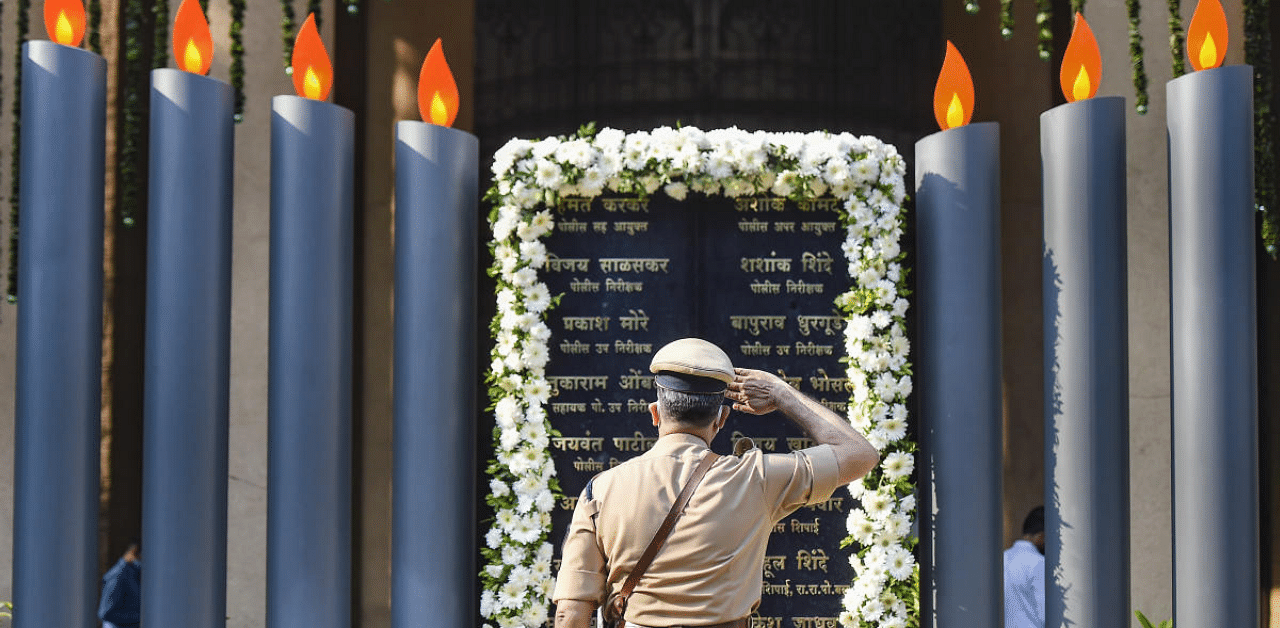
[[531, 177]]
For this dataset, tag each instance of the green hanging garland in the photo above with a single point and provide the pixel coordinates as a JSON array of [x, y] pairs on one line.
[[1177, 38], [1044, 29], [1136, 56], [237, 55], [23, 26], [1006, 19], [1257, 53], [314, 8], [95, 26], [160, 46], [1077, 6], [286, 33]]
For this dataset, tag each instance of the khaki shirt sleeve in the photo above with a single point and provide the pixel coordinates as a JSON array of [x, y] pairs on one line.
[[800, 478], [582, 569]]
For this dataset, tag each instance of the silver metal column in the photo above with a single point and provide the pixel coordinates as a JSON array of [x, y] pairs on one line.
[[958, 376], [309, 399], [1086, 407], [57, 418], [433, 525], [1214, 336], [188, 347]]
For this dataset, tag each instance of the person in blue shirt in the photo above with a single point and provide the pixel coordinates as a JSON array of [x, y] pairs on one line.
[[1024, 575], [121, 603]]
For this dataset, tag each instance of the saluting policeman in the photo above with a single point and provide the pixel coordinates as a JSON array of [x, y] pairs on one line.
[[708, 573]]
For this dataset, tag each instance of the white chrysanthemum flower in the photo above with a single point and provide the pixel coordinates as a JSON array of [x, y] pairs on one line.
[[872, 609], [855, 489], [894, 428], [894, 621], [488, 603], [498, 488], [494, 571], [901, 563], [537, 390], [537, 298], [861, 528], [544, 500], [535, 355], [511, 621], [505, 519], [897, 525], [534, 615], [880, 319], [677, 190], [533, 253], [493, 538], [859, 327], [509, 438], [877, 503], [524, 277], [507, 411], [908, 504], [877, 437]]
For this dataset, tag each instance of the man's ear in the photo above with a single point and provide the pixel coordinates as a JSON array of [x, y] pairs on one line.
[[653, 410], [724, 416]]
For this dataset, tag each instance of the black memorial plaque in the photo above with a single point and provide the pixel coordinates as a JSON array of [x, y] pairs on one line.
[[756, 276]]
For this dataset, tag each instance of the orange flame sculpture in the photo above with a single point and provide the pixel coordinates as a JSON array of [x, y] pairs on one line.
[[437, 91], [1081, 63], [953, 95], [192, 43], [1207, 35], [312, 72], [64, 21]]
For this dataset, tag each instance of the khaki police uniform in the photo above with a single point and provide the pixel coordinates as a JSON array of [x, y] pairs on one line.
[[711, 568]]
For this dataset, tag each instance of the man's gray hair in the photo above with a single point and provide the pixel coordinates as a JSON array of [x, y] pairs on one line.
[[697, 409]]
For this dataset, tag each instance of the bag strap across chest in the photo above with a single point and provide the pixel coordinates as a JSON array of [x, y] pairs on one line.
[[619, 605]]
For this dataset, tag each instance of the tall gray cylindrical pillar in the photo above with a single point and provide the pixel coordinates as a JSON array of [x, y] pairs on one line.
[[1214, 336], [309, 398], [433, 513], [1086, 405], [59, 361], [958, 376], [188, 347]]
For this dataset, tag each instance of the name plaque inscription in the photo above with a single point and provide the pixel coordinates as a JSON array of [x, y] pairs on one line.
[[756, 276]]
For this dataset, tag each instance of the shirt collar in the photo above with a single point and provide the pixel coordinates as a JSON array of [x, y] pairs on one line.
[[677, 442]]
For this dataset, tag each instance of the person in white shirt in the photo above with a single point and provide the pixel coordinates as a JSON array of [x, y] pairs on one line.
[[1024, 575]]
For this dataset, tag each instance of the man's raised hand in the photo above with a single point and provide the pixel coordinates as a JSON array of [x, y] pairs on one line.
[[754, 392]]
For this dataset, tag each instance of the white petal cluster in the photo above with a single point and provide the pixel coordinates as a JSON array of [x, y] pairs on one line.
[[530, 177]]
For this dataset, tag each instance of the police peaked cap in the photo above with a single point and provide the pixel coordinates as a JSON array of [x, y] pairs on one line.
[[692, 365]]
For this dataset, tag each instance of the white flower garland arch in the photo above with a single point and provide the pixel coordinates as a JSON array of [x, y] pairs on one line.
[[530, 177]]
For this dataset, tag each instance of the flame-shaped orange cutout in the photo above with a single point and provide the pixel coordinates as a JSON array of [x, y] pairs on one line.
[[1207, 35], [437, 91], [312, 72], [192, 43], [1081, 63], [64, 21], [953, 95]]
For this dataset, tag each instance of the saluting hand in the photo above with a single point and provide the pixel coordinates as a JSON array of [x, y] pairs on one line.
[[755, 392]]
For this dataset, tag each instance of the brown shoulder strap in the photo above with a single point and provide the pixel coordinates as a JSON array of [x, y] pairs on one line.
[[663, 532]]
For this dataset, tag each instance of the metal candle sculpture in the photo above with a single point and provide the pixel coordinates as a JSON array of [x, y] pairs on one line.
[[188, 342], [433, 524], [958, 200], [1082, 146], [63, 142], [309, 399], [1214, 334]]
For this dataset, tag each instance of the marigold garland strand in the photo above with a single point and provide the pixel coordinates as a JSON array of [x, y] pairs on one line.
[[1257, 53], [23, 26], [1177, 38], [1136, 56]]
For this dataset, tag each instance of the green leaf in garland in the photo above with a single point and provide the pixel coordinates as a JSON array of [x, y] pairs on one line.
[[1177, 38], [971, 7], [161, 34], [1257, 53], [23, 26], [1136, 56]]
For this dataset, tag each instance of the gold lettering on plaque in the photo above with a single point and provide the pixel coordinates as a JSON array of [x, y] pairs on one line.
[[576, 347], [830, 325], [771, 264], [621, 285], [587, 464], [636, 380], [766, 287], [753, 225], [784, 227], [809, 348], [585, 285], [806, 527], [820, 263], [631, 227], [578, 264], [637, 442], [772, 563], [754, 324], [804, 287], [823, 383], [811, 560], [600, 226], [586, 323], [577, 382], [572, 225], [578, 443], [573, 204], [822, 204], [783, 589], [632, 347], [636, 321], [755, 348], [818, 228], [634, 264]]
